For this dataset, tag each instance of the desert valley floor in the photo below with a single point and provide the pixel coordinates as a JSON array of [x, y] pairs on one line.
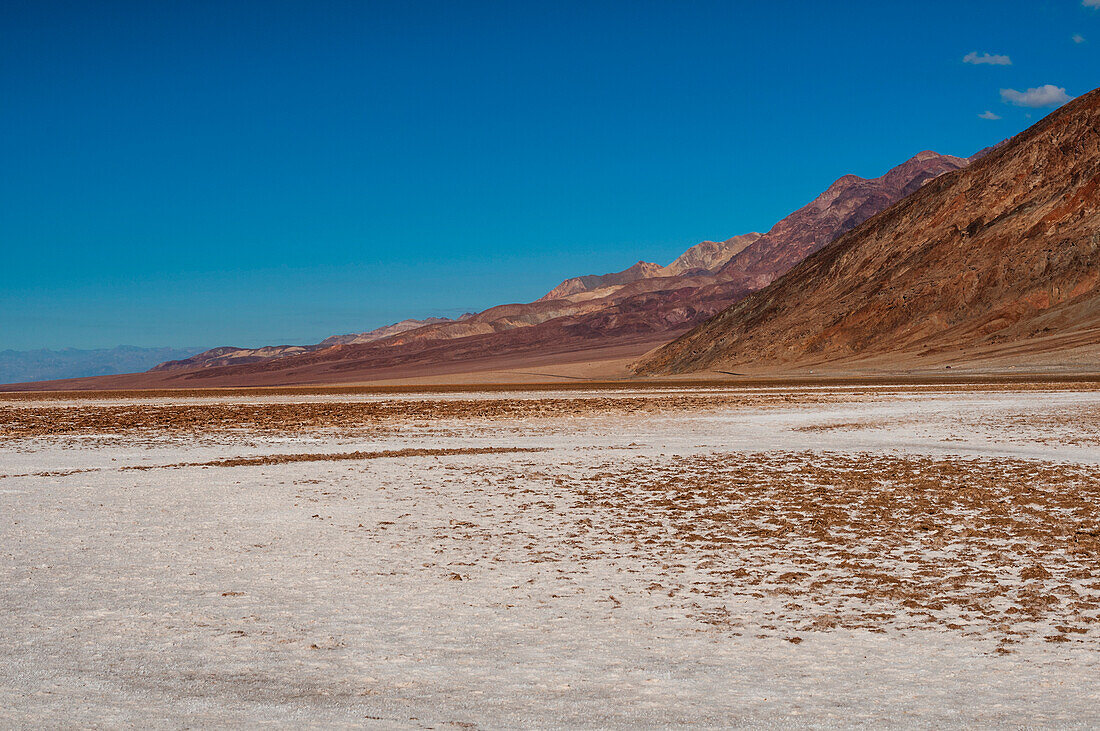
[[920, 555]]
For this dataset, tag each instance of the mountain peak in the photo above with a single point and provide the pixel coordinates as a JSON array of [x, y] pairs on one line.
[[845, 204]]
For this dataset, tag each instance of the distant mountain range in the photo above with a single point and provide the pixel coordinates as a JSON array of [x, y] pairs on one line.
[[940, 254], [41, 365], [998, 263], [229, 355]]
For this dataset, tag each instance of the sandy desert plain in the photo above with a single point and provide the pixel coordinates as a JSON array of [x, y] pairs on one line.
[[586, 556]]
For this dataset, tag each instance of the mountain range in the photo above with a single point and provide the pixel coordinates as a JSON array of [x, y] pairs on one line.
[[616, 316], [940, 257]]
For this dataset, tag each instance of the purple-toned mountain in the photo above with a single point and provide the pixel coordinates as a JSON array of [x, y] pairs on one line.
[[845, 204], [706, 257]]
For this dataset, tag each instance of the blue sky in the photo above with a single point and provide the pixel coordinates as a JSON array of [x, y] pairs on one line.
[[207, 173]]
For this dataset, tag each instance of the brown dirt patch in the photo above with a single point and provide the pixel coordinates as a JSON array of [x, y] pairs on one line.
[[1004, 547]]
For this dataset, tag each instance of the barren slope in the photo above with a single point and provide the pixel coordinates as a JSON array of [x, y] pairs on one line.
[[999, 258]]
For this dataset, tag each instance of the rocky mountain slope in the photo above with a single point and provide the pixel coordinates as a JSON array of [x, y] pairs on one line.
[[845, 204], [706, 257], [389, 330], [590, 282], [709, 256], [1001, 259]]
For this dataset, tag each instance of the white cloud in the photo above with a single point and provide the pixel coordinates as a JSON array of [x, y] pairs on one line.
[[1078, 38], [1091, 3], [1047, 95], [989, 115], [991, 59]]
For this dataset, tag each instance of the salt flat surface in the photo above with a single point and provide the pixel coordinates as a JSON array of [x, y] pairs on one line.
[[631, 572]]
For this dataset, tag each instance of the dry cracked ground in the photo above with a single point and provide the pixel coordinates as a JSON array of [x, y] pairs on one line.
[[858, 556]]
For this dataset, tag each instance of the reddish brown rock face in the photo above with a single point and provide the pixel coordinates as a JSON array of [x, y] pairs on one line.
[[999, 260]]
